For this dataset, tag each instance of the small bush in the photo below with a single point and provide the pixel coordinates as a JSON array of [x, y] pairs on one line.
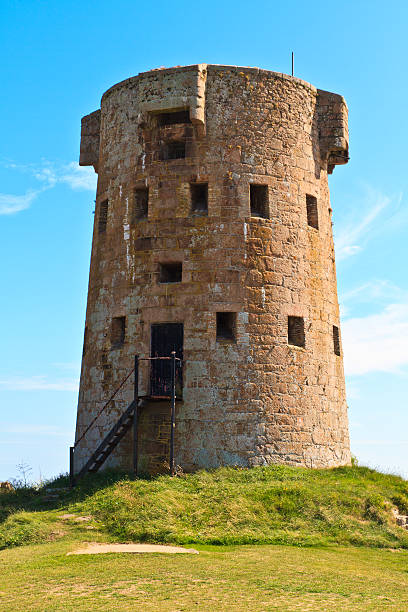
[[22, 528], [401, 501], [374, 509]]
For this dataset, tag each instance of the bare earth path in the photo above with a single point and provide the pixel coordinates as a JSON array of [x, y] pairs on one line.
[[96, 549]]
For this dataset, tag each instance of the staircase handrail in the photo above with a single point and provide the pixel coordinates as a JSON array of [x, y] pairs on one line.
[[103, 408], [133, 406]]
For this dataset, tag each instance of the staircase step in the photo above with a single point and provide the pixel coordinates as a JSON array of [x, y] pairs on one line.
[[110, 441]]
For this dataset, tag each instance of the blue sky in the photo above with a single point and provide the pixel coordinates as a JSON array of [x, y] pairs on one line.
[[58, 57]]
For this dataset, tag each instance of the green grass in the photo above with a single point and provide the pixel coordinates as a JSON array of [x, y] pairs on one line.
[[265, 505], [41, 578], [237, 519]]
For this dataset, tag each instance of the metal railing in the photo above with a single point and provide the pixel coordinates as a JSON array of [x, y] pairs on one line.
[[136, 397]]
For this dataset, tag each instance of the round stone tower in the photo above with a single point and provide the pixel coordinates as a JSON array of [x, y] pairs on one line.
[[213, 238]]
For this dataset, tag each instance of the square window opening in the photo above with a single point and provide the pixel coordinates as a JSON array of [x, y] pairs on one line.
[[171, 272], [175, 149], [174, 118], [103, 217], [336, 340], [311, 208], [199, 197], [140, 203], [296, 331], [258, 196], [118, 329], [226, 325]]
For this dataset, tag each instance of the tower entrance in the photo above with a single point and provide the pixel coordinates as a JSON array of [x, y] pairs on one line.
[[166, 338]]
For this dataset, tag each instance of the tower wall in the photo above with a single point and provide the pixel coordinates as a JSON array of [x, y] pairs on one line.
[[256, 398]]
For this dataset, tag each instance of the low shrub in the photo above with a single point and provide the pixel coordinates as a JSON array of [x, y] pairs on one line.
[[401, 501], [22, 528]]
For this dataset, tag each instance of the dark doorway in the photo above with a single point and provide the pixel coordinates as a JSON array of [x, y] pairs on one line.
[[166, 337]]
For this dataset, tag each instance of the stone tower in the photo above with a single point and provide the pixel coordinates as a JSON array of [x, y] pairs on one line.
[[213, 237]]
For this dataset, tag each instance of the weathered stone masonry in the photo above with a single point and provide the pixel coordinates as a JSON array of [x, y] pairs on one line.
[[213, 198]]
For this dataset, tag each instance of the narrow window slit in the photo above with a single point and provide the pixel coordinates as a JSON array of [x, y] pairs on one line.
[[140, 204], [336, 340], [226, 325], [118, 329], [311, 208], [171, 272], [85, 346], [103, 217], [143, 244], [180, 116], [296, 331], [174, 149], [199, 197], [258, 196]]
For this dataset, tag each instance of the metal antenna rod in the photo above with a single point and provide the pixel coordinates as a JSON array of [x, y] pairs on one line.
[[293, 63]]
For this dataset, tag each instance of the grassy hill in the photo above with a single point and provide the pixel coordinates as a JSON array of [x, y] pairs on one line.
[[265, 505], [321, 513]]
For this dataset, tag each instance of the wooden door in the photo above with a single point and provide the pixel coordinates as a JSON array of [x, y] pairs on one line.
[[165, 338]]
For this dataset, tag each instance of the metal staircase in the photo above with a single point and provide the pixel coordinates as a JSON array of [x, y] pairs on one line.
[[128, 420], [111, 440]]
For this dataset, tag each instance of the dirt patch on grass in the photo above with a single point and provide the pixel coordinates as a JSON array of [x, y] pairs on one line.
[[96, 549], [75, 518], [56, 534]]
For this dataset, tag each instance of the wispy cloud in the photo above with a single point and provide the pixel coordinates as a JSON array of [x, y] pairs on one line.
[[375, 291], [50, 174], [353, 233], [38, 383], [378, 342], [76, 177], [346, 250], [353, 390], [11, 204]]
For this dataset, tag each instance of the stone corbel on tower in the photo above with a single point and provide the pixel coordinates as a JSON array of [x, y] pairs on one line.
[[332, 113], [197, 105], [90, 136]]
